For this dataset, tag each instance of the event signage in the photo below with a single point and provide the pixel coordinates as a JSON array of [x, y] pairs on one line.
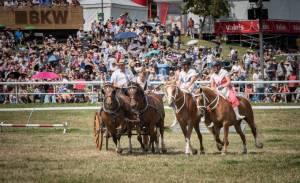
[[62, 17], [252, 27]]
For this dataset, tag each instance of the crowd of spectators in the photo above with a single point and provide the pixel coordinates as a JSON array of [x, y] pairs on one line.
[[154, 55]]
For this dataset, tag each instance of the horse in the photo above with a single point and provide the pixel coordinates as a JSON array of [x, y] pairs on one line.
[[186, 114], [150, 111], [115, 114], [219, 113]]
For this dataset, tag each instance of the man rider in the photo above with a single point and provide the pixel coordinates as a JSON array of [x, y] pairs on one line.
[[121, 77], [220, 81]]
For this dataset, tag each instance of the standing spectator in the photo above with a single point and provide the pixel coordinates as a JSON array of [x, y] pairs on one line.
[[281, 71], [292, 86], [191, 28], [177, 37], [247, 60], [258, 88], [19, 36], [271, 70]]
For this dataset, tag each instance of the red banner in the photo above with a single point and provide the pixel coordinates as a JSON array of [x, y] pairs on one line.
[[163, 12], [141, 2], [252, 27]]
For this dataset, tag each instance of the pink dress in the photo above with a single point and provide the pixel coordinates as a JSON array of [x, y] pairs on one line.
[[228, 92]]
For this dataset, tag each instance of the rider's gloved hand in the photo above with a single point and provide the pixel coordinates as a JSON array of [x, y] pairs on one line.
[[220, 87]]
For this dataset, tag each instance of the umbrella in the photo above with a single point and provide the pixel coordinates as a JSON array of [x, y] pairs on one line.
[[53, 58], [30, 27], [125, 35], [192, 42], [80, 86], [151, 53], [45, 75], [2, 26], [15, 75], [148, 27]]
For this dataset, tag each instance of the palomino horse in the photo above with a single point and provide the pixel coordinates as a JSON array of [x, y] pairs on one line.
[[150, 111], [219, 113], [115, 115], [186, 114]]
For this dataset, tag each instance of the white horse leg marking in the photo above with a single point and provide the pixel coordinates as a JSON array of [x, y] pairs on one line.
[[188, 146], [119, 148]]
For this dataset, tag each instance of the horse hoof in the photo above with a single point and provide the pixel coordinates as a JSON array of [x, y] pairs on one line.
[[195, 151], [202, 152], [219, 146], [259, 145], [187, 154], [244, 152], [130, 152], [119, 151], [164, 151], [223, 153]]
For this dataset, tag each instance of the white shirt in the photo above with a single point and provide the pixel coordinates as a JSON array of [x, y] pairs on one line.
[[120, 78], [186, 77], [236, 68], [217, 78]]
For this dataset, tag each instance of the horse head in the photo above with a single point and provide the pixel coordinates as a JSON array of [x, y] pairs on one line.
[[136, 95], [206, 99], [172, 91], [111, 101]]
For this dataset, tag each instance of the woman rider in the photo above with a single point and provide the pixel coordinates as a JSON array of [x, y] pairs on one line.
[[220, 81]]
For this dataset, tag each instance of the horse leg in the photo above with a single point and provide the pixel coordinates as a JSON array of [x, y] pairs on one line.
[[157, 140], [250, 121], [197, 129], [163, 146], [240, 132], [216, 133], [225, 140], [119, 148], [139, 138], [188, 146], [129, 142]]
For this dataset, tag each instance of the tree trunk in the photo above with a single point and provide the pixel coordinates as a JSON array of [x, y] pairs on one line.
[[201, 26]]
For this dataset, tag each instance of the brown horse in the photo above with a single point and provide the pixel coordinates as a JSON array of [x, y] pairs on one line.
[[219, 113], [115, 114], [150, 110], [186, 114]]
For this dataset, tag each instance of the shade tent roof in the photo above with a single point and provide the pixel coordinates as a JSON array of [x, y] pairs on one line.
[[122, 2]]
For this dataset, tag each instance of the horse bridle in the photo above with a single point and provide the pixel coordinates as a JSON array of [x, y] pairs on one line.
[[114, 111], [139, 112], [175, 100], [208, 107]]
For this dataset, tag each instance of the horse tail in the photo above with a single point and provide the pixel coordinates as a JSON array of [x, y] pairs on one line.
[[249, 118]]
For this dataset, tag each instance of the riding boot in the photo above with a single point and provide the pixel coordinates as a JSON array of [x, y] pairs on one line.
[[237, 114]]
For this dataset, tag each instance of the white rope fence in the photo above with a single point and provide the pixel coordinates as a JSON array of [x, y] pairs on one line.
[[152, 82]]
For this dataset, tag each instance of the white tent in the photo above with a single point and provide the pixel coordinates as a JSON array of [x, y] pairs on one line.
[[111, 8]]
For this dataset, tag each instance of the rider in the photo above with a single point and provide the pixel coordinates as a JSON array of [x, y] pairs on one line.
[[121, 77], [220, 81], [187, 76]]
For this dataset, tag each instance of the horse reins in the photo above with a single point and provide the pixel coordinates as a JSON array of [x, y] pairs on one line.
[[208, 107], [175, 100]]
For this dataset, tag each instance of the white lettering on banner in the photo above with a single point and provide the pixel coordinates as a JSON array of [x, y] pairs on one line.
[[238, 27], [281, 27], [266, 27], [296, 27]]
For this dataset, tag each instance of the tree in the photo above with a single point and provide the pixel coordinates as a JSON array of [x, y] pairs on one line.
[[205, 9]]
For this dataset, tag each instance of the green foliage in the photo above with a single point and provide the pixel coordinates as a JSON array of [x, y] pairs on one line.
[[205, 8]]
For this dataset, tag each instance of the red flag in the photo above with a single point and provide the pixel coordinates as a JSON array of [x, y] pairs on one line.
[[163, 12]]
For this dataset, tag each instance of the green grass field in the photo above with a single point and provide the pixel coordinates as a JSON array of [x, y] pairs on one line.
[[48, 155]]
